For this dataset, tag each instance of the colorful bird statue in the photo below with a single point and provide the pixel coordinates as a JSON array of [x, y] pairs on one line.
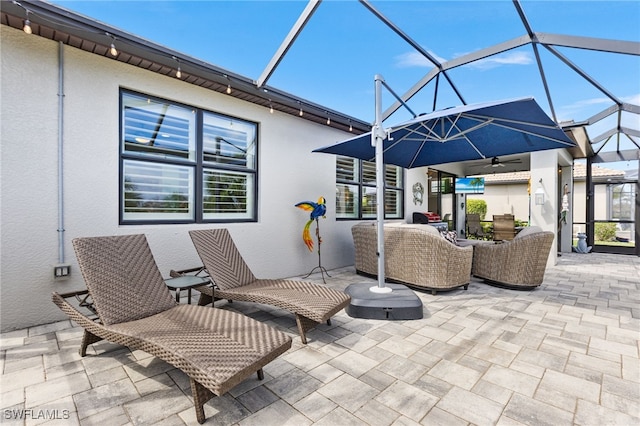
[[317, 209]]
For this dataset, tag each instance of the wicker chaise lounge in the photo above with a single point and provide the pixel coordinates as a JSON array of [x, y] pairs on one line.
[[519, 263], [216, 348], [311, 303]]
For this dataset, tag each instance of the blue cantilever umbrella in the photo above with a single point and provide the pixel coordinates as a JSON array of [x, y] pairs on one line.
[[464, 133]]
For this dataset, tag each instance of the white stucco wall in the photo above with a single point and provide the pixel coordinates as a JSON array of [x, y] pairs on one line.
[[288, 173], [505, 199]]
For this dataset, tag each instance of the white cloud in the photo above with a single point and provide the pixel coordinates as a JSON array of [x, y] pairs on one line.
[[578, 105], [509, 58], [632, 99], [415, 59]]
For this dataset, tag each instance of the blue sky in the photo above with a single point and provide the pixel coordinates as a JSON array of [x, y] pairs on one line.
[[344, 45]]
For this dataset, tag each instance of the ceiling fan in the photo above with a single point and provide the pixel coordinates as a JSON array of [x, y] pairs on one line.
[[495, 162]]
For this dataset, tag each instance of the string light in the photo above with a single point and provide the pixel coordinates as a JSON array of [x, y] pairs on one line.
[[328, 119], [179, 71], [112, 48], [270, 107], [229, 84], [27, 24], [350, 126], [300, 113]]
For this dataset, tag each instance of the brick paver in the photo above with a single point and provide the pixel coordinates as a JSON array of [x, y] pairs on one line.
[[565, 353]]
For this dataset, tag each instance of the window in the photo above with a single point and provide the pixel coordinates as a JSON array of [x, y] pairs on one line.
[[356, 190], [622, 198], [181, 164]]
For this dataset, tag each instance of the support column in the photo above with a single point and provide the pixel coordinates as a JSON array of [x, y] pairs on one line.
[[566, 229], [544, 166]]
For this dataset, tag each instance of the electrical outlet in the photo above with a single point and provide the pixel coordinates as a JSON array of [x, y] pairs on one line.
[[60, 271]]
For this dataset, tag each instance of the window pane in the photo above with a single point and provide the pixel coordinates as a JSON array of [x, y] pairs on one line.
[[368, 173], [228, 195], [393, 176], [157, 128], [346, 169], [369, 202], [347, 201], [622, 201], [229, 141], [393, 203], [157, 191]]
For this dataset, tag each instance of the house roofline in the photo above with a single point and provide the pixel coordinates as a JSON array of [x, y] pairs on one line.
[[70, 28]]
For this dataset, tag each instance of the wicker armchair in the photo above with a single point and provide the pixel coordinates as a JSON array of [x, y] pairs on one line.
[[416, 255], [519, 263], [130, 305]]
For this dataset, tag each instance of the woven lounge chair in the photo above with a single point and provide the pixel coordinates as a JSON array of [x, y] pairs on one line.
[[216, 348], [311, 303], [519, 263]]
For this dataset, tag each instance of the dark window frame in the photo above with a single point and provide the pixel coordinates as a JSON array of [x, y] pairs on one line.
[[360, 183], [198, 166]]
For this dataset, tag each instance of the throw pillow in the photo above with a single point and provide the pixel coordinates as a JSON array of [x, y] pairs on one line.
[[450, 236]]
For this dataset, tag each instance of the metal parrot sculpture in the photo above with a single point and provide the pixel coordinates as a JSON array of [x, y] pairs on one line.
[[317, 209]]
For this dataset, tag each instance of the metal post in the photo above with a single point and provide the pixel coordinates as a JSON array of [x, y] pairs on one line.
[[377, 140]]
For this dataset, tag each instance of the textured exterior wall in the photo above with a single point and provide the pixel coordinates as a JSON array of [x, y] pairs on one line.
[[288, 173]]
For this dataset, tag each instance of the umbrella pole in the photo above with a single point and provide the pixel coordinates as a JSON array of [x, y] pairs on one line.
[[377, 140], [392, 301]]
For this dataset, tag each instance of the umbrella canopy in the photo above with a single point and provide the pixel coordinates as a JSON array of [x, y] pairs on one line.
[[469, 132]]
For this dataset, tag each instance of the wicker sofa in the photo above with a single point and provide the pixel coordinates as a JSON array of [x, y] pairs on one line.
[[519, 263], [416, 255]]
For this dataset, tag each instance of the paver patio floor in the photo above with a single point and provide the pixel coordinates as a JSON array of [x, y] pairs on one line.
[[565, 353]]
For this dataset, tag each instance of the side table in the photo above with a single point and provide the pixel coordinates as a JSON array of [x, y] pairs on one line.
[[185, 282]]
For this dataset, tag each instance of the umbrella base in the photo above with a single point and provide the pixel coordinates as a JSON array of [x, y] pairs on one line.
[[399, 304]]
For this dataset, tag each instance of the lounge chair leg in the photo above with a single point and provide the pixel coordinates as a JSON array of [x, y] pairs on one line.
[[88, 339], [204, 299], [329, 321], [466, 286], [200, 396], [260, 374], [304, 324], [433, 292]]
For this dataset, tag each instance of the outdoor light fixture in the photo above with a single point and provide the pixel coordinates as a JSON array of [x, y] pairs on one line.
[[112, 48], [179, 71], [539, 194], [270, 107], [350, 126], [228, 89], [328, 120], [27, 25]]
